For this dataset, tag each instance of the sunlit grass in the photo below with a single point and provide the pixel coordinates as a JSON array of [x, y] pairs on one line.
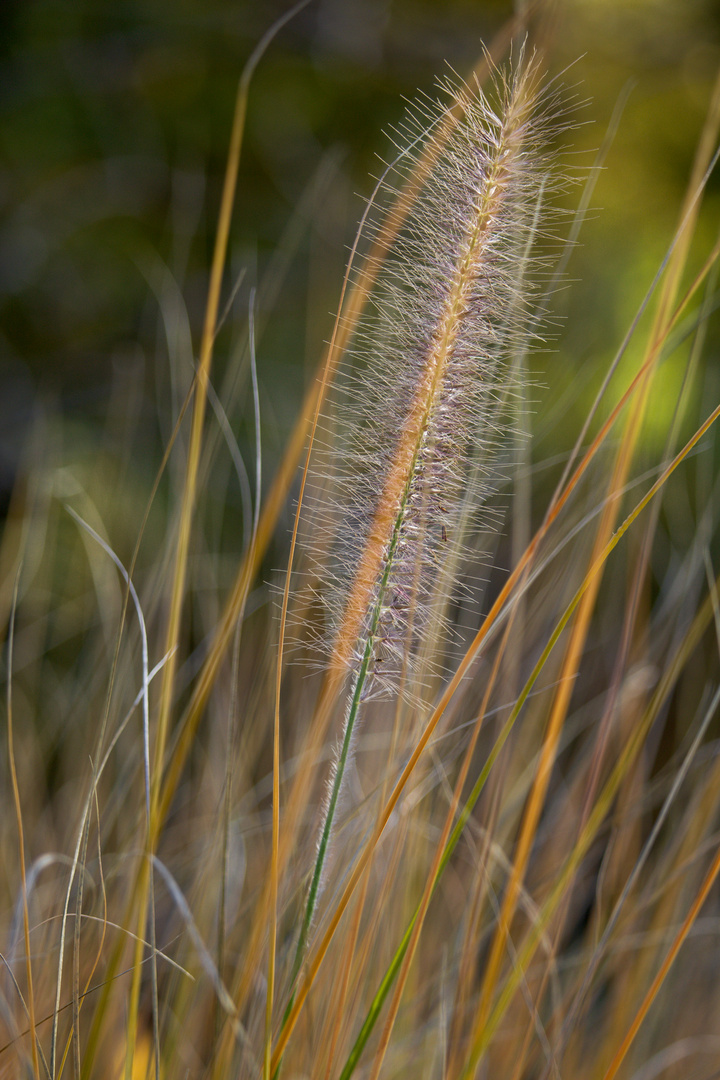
[[518, 857]]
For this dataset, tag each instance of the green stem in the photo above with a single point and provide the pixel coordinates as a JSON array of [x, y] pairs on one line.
[[352, 716], [394, 967], [332, 805]]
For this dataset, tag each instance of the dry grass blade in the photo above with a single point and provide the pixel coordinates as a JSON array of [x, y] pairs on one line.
[[604, 800], [665, 967]]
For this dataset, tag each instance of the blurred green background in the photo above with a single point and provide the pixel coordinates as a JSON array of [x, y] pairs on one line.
[[114, 122]]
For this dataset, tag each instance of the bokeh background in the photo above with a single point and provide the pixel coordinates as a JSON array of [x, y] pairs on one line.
[[113, 127], [114, 123]]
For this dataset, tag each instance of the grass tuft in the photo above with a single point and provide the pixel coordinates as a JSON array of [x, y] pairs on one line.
[[449, 809]]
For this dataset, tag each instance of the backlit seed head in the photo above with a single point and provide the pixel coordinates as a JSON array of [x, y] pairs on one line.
[[414, 431]]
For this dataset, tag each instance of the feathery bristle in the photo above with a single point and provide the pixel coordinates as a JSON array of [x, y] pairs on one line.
[[421, 416]]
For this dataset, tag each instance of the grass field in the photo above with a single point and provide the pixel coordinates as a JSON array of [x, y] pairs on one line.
[[362, 673]]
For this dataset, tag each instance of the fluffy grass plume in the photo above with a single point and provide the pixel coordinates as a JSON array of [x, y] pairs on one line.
[[453, 814], [427, 405]]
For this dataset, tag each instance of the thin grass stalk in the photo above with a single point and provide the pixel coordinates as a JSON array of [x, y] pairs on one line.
[[21, 834], [667, 963], [232, 719], [188, 504], [366, 947], [227, 805], [75, 1033], [355, 700], [79, 996], [638, 577], [599, 811], [484, 1033]]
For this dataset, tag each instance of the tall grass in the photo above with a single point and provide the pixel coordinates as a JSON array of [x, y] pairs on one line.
[[447, 808]]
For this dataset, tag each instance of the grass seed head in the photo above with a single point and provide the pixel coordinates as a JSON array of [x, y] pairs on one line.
[[421, 415]]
